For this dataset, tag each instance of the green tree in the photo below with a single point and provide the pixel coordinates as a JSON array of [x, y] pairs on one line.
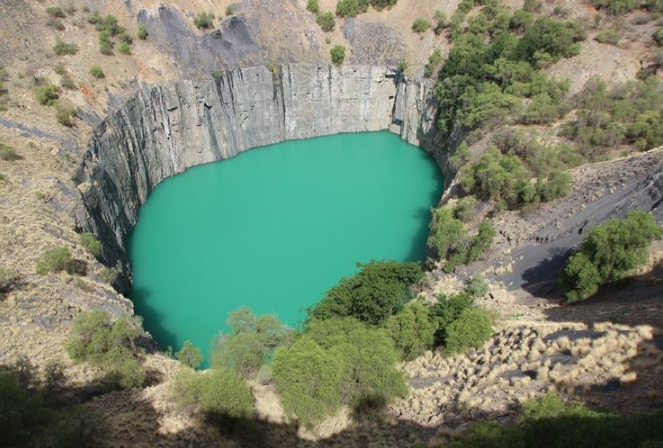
[[337, 54], [482, 241], [471, 330], [309, 380], [251, 343], [411, 331], [56, 11], [142, 32], [203, 21], [190, 355], [446, 311], [90, 243], [369, 357], [109, 345], [218, 393], [97, 72], [63, 48], [376, 292], [47, 94], [313, 6], [54, 260], [448, 236], [326, 21], [609, 253], [420, 25]]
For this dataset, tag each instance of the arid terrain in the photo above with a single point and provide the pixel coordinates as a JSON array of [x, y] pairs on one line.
[[606, 351]]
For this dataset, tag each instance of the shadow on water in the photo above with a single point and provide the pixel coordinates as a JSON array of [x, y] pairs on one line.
[[418, 242], [152, 319]]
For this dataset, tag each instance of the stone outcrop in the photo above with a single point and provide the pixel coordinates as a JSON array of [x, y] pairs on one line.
[[164, 130]]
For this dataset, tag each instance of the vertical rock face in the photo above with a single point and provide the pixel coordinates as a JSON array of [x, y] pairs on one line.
[[164, 130]]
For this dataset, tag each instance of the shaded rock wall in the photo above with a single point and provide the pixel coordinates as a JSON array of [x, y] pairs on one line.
[[164, 130]]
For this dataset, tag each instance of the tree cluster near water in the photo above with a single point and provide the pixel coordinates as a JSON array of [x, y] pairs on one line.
[[251, 342], [609, 253], [377, 291], [348, 352], [450, 241]]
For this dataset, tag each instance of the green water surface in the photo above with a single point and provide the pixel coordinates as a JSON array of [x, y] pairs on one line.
[[274, 228]]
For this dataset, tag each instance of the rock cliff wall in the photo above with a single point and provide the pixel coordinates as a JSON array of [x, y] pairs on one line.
[[164, 130]]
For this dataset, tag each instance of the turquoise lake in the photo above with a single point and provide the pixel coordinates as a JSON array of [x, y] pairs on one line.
[[274, 228]]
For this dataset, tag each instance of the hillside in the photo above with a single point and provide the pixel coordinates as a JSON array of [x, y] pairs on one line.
[[90, 123]]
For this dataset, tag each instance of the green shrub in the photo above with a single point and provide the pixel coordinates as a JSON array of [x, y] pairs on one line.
[[203, 21], [465, 209], [124, 48], [533, 5], [313, 6], [67, 82], [658, 36], [549, 39], [64, 115], [609, 36], [142, 32], [123, 369], [229, 10], [369, 357], [337, 54], [615, 7], [63, 48], [351, 8], [477, 286], [90, 243], [125, 37], [251, 343], [378, 291], [47, 94], [8, 154], [55, 11], [482, 241], [106, 45], [420, 25], [326, 21], [55, 260], [547, 423], [97, 72], [446, 311], [411, 331], [309, 380], [94, 19], [108, 24], [472, 329], [218, 393], [22, 415], [94, 335], [111, 346], [448, 236], [609, 253], [433, 61], [442, 22], [109, 275], [54, 23], [190, 355]]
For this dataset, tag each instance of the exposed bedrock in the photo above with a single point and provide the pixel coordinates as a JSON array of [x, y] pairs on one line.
[[164, 130]]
